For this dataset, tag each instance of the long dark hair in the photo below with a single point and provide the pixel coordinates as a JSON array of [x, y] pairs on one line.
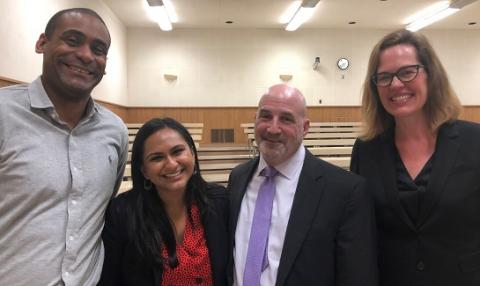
[[150, 225]]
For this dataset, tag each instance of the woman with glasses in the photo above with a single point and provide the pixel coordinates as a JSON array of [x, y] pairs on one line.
[[423, 166]]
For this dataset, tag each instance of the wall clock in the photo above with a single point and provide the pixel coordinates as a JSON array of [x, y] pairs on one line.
[[343, 63]]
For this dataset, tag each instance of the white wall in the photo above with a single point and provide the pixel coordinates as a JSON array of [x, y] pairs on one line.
[[459, 51], [226, 67], [232, 67], [22, 21]]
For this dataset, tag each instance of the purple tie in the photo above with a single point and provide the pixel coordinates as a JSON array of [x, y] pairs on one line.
[[257, 259]]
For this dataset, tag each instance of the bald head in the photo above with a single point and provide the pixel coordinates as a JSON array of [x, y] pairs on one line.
[[280, 123], [286, 93]]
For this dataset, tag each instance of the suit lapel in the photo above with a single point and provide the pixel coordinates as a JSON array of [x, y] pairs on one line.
[[213, 226], [237, 186], [307, 197], [237, 191], [446, 153], [157, 275], [387, 170]]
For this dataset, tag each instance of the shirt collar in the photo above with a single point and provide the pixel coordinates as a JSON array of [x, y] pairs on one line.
[[40, 100], [92, 108], [288, 168], [38, 96]]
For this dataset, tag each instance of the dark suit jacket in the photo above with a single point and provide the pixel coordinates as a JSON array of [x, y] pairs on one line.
[[330, 233], [123, 264], [443, 246]]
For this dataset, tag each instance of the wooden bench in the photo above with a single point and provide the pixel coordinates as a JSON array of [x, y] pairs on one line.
[[312, 143], [222, 150], [195, 137], [318, 124], [219, 178], [324, 140], [219, 172], [205, 167], [330, 141], [187, 125], [331, 151], [195, 130], [314, 135], [216, 163], [319, 127]]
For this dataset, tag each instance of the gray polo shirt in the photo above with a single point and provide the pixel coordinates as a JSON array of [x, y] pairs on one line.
[[55, 184]]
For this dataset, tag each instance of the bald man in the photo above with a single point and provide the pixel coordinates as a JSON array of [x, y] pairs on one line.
[[321, 222]]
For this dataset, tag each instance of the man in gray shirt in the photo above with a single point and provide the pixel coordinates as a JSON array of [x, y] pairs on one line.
[[62, 158]]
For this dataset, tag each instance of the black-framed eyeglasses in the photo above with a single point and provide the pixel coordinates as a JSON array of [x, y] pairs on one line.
[[404, 74]]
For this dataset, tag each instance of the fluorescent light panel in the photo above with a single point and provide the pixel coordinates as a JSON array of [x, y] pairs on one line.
[[290, 12], [434, 13], [298, 13], [427, 12], [163, 13], [302, 15], [172, 15], [163, 21], [419, 24]]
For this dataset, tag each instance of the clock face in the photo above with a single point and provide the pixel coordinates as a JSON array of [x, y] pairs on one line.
[[343, 63]]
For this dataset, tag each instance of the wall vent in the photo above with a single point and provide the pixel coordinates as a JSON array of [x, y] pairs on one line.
[[222, 136]]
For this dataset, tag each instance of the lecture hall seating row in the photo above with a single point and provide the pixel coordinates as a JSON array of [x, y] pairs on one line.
[[331, 141]]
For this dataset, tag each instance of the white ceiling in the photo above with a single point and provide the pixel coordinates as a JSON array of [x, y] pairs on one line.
[[378, 14]]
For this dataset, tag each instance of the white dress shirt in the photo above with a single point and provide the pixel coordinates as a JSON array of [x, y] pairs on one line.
[[286, 184]]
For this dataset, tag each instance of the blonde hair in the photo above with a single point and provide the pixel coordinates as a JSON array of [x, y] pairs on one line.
[[442, 103]]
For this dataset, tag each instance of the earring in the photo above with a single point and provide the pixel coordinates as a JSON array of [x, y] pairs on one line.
[[147, 184], [195, 171]]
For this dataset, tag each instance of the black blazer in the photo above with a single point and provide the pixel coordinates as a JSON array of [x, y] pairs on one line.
[[443, 246], [330, 233], [124, 266]]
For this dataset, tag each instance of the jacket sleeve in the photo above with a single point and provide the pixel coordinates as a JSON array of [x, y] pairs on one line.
[[354, 160], [113, 237], [356, 262]]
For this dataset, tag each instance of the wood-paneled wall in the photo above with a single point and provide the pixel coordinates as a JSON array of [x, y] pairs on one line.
[[120, 110], [4, 81], [471, 113], [232, 117], [211, 117]]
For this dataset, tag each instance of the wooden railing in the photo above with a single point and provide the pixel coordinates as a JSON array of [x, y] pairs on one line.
[[331, 141]]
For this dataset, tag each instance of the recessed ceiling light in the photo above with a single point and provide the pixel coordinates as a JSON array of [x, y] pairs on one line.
[[352, 23], [383, 0], [472, 23], [229, 22]]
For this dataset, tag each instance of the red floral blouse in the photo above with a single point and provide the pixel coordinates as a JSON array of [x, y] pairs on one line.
[[194, 261]]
